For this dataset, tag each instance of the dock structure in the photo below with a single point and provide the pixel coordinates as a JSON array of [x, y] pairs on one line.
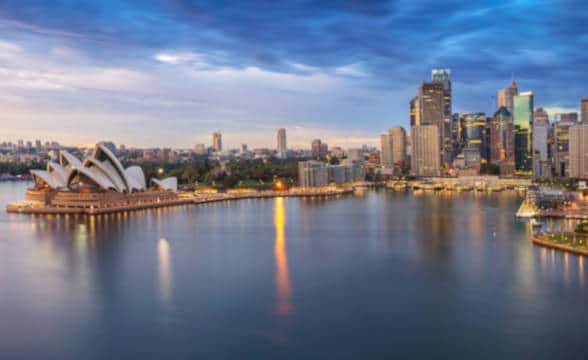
[[65, 202]]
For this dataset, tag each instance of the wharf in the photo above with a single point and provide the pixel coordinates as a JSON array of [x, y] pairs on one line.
[[182, 198]]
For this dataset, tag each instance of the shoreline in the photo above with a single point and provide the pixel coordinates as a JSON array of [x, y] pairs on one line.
[[181, 199], [540, 240]]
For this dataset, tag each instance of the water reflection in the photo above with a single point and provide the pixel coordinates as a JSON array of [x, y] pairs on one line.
[[283, 287], [165, 273]]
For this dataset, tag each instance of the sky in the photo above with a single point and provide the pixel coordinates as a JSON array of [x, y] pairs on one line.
[[169, 73]]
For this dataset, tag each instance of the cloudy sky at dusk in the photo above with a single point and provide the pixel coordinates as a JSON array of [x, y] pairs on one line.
[[154, 73]]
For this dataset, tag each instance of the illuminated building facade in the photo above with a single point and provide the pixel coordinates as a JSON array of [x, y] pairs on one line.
[[579, 151], [523, 105], [425, 160], [584, 110], [506, 96]]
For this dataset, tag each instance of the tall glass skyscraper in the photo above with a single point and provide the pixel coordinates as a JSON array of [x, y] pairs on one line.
[[523, 105]]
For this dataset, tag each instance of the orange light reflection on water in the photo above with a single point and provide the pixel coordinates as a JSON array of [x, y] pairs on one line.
[[283, 287]]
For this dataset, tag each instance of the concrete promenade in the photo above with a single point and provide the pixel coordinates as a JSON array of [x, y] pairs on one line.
[[541, 240], [183, 198]]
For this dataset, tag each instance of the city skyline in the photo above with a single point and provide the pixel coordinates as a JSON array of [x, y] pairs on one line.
[[203, 73]]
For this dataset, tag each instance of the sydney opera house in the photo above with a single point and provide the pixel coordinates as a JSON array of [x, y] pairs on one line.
[[99, 183]]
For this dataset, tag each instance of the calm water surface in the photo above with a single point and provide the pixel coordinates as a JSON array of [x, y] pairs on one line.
[[378, 275]]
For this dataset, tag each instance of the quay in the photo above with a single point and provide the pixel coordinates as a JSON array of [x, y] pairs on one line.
[[105, 203], [541, 240]]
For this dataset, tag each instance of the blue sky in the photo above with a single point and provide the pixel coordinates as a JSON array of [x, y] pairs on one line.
[[155, 73]]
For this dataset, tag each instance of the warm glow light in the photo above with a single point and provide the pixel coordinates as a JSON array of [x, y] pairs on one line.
[[165, 274], [284, 290]]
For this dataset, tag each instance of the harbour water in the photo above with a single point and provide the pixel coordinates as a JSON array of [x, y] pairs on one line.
[[373, 275]]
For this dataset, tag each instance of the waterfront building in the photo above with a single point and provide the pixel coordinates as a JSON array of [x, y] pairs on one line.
[[578, 147], [356, 169], [100, 172], [425, 160], [561, 137], [584, 110], [506, 96], [523, 105], [217, 142], [393, 149], [282, 147], [398, 135], [432, 106], [312, 173]]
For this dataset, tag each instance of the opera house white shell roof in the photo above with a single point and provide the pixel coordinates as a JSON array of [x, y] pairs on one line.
[[101, 170]]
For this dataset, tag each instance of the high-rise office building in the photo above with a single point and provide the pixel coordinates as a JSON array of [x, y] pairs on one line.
[[393, 148], [415, 112], [431, 106], [443, 77], [506, 96], [425, 160], [541, 148], [386, 160], [579, 151], [282, 147], [523, 105], [584, 110], [398, 135], [501, 136], [561, 147], [473, 132], [217, 142]]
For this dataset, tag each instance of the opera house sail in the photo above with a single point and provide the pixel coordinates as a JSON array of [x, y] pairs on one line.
[[97, 184]]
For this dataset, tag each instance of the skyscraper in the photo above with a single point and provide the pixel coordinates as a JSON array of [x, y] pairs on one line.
[[431, 111], [393, 148], [501, 137], [561, 153], [398, 135], [473, 132], [386, 159], [579, 151], [506, 96], [425, 158], [217, 142], [443, 77], [523, 105], [584, 111], [415, 112], [282, 143]]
